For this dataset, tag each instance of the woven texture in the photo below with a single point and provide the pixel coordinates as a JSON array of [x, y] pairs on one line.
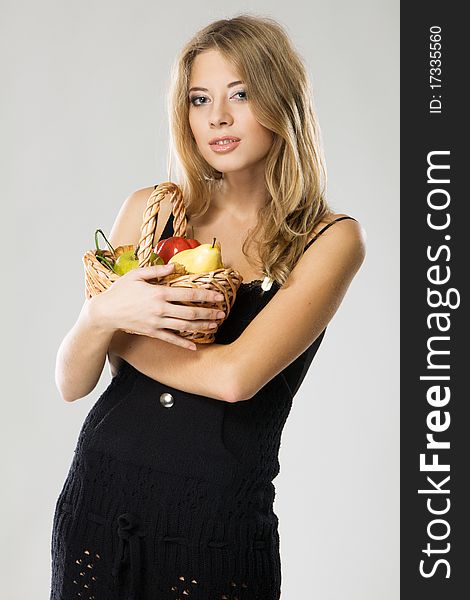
[[176, 502]]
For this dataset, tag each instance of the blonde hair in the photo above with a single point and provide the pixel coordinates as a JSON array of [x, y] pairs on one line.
[[280, 96]]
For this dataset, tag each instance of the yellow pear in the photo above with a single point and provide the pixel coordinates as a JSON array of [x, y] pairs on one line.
[[205, 257]]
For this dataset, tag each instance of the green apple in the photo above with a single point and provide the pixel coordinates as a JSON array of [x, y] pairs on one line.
[[125, 262]]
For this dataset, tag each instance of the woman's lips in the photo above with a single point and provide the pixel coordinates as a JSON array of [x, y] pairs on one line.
[[222, 148]]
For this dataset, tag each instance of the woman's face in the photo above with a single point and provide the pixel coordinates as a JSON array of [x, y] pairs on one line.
[[219, 107]]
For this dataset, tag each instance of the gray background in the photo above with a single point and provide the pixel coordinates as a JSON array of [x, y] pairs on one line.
[[84, 124]]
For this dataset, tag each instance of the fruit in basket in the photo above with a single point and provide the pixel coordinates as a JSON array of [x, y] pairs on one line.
[[155, 259], [205, 257], [167, 248], [126, 259]]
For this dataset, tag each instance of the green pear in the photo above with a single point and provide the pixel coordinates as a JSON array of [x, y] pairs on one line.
[[205, 257], [126, 262]]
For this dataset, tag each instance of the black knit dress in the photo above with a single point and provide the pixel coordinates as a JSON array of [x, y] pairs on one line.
[[169, 495]]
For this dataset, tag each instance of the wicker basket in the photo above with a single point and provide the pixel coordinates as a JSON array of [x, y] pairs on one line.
[[99, 278]]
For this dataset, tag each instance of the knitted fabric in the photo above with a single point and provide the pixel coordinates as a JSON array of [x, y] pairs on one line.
[[174, 501]]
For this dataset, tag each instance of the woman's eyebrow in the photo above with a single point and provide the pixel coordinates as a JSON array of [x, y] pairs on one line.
[[201, 89]]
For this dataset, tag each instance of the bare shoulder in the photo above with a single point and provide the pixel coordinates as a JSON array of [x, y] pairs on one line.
[[335, 255], [343, 231], [127, 225]]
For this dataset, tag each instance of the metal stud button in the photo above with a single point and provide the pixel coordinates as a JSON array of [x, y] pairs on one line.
[[167, 400]]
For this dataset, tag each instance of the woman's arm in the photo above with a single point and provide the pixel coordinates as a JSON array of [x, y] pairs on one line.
[[206, 371], [297, 314], [82, 355]]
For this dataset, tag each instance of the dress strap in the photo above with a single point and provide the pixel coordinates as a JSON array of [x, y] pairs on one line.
[[324, 228], [168, 230]]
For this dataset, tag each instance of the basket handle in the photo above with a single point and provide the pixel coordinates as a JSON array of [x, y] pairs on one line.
[[149, 223]]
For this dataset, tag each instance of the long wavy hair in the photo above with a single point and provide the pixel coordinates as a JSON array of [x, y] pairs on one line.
[[281, 98]]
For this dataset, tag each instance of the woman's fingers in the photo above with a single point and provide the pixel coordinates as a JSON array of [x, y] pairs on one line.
[[173, 338], [193, 325], [191, 313], [176, 293]]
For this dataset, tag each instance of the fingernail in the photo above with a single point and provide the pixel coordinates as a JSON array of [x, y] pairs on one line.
[[220, 315], [219, 297]]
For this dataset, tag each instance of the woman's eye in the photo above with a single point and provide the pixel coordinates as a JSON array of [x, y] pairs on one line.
[[194, 98], [241, 92]]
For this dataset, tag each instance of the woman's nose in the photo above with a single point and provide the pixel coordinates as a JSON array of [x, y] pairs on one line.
[[220, 114]]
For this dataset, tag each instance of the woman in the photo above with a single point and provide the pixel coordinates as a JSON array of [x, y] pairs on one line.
[[170, 492]]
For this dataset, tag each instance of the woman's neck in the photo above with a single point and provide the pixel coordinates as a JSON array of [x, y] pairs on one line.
[[240, 196]]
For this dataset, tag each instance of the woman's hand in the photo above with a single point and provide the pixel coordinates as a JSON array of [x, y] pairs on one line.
[[134, 305]]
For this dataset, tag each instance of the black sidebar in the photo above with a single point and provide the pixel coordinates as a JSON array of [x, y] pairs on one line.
[[434, 262]]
